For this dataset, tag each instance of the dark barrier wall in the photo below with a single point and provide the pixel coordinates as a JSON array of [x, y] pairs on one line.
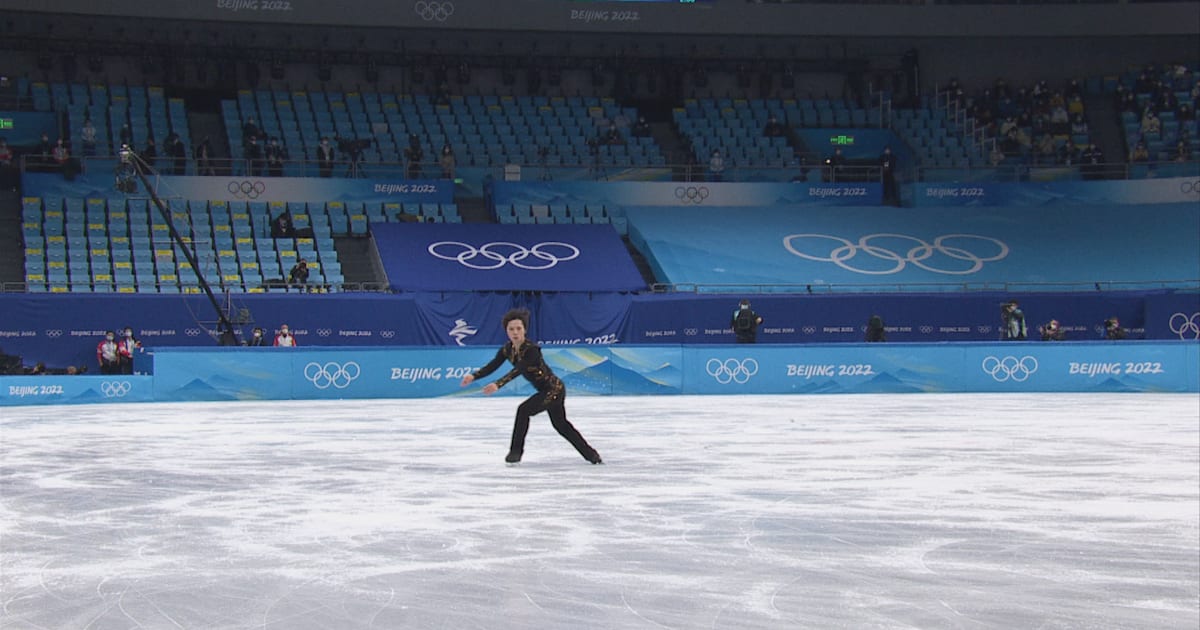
[[63, 330], [711, 17]]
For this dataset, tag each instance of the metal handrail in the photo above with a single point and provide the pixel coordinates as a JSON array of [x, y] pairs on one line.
[[324, 288], [924, 287], [691, 172]]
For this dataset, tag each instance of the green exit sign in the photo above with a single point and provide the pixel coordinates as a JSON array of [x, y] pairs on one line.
[[842, 140], [6, 123]]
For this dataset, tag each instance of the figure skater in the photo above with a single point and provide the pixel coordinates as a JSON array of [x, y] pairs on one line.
[[527, 361]]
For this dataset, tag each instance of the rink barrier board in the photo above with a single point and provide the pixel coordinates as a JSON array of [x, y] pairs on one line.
[[226, 374]]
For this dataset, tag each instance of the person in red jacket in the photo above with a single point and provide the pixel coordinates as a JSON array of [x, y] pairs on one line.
[[285, 338], [107, 354], [527, 361], [127, 345]]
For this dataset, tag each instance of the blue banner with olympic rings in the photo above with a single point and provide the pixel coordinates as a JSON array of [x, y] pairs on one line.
[[475, 256]]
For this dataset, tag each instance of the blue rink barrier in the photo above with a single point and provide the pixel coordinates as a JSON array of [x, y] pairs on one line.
[[213, 374], [80, 389]]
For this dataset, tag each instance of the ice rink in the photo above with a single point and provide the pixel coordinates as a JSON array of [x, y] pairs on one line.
[[862, 511]]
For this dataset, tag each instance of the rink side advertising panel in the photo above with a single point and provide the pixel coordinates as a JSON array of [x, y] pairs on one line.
[[208, 374]]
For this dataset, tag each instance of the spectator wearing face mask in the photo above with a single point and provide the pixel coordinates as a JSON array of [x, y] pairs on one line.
[[127, 345], [107, 354], [257, 339], [285, 339]]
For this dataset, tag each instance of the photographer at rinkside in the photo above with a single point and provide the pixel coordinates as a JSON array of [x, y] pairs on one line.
[[1113, 330], [745, 323], [1012, 320], [1051, 331]]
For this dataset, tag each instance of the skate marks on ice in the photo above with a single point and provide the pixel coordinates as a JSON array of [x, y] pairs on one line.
[[925, 511]]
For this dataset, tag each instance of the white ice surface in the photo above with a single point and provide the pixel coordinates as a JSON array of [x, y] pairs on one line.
[[863, 511]]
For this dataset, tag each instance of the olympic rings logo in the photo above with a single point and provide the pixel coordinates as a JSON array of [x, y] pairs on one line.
[[916, 255], [324, 332], [1184, 326], [731, 370], [1189, 188], [332, 374], [691, 332], [691, 194], [432, 10], [925, 330], [54, 333], [115, 389], [387, 334], [1010, 368], [192, 332], [246, 189], [517, 255], [809, 330]]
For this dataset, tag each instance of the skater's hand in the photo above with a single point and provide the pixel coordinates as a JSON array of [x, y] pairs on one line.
[[467, 380], [490, 388]]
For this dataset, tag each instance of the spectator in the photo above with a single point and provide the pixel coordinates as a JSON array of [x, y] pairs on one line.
[[1079, 126], [716, 166], [125, 135], [282, 226], [107, 355], [446, 161], [256, 338], [774, 129], [613, 135], [641, 129], [61, 155], [276, 155], [87, 136], [250, 132], [6, 154], [414, 155], [1150, 123], [1060, 120], [836, 164], [1068, 154], [149, 156], [887, 172], [1139, 153], [1113, 330], [285, 339], [1046, 149], [1185, 112], [1093, 161], [178, 152], [325, 158], [254, 157], [1051, 331], [204, 159], [1182, 152]]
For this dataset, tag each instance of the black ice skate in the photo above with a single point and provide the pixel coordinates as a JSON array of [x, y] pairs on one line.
[[512, 458]]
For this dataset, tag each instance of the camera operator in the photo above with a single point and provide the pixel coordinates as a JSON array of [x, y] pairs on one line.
[[1113, 330], [413, 156], [125, 171], [1012, 322], [353, 149]]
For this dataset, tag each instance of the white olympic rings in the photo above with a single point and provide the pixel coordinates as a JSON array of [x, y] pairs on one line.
[[115, 389], [916, 255], [1190, 188], [1010, 368], [516, 257], [431, 10], [331, 374], [1186, 326], [731, 370], [691, 194]]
